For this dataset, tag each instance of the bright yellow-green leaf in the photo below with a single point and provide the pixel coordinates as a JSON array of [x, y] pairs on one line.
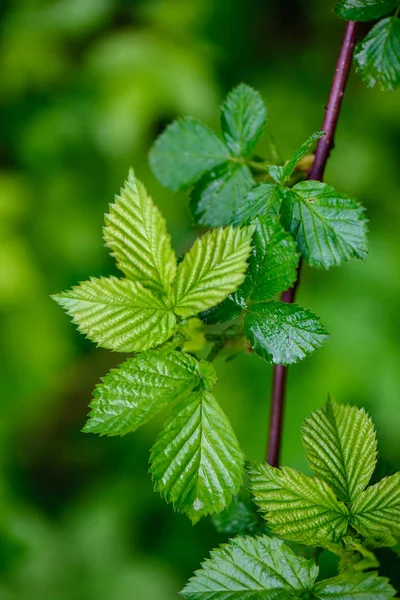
[[137, 235], [213, 268], [118, 314]]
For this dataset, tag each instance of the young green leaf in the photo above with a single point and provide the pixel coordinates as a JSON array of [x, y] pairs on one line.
[[118, 314], [366, 586], [263, 200], [365, 10], [283, 333], [340, 445], [213, 268], [376, 512], [249, 568], [184, 152], [291, 164], [243, 118], [377, 57], [137, 235], [273, 261], [196, 461], [143, 385], [299, 508], [217, 194], [328, 227]]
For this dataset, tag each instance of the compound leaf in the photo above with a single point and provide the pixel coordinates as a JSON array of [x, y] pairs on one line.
[[377, 57], [184, 152], [118, 314], [273, 261], [340, 444], [365, 10], [328, 227], [143, 385], [376, 512], [252, 568], [219, 192], [243, 118], [196, 461], [213, 268], [359, 587], [137, 235], [265, 199], [264, 568], [299, 508], [283, 333]]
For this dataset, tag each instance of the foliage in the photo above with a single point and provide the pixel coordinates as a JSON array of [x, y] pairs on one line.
[[81, 98], [335, 505], [263, 567], [377, 57]]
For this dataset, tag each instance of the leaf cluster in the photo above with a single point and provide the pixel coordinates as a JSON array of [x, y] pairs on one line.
[[377, 57], [334, 509]]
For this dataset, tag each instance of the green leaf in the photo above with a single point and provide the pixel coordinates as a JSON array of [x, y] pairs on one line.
[[143, 385], [377, 57], [260, 568], [228, 310], [367, 586], [262, 200], [283, 333], [291, 164], [239, 518], [376, 512], [213, 268], [328, 227], [273, 261], [118, 314], [196, 461], [137, 235], [365, 10], [219, 192], [243, 118], [184, 152], [340, 444], [299, 508]]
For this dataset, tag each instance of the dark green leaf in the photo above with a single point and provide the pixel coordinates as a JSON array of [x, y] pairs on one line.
[[283, 333], [184, 151], [216, 196], [365, 10], [264, 199], [377, 57], [132, 394], [272, 263], [238, 519], [243, 118], [328, 226], [228, 310]]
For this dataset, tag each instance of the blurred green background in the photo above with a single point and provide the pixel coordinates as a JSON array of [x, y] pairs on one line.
[[85, 87]]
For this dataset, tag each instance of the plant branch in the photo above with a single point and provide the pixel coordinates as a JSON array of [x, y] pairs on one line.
[[324, 147]]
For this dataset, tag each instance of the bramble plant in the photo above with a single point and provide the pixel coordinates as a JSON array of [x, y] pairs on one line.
[[266, 216]]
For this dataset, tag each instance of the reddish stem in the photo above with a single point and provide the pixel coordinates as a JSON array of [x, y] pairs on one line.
[[322, 153]]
